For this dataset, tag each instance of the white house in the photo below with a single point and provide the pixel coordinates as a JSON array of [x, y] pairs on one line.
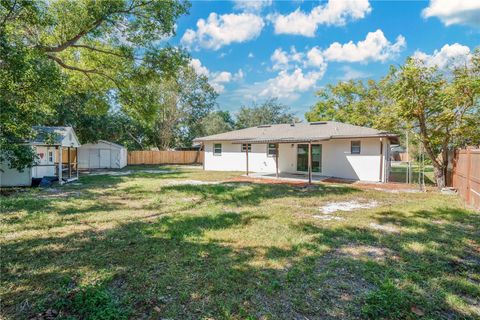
[[103, 154], [324, 148], [56, 149]]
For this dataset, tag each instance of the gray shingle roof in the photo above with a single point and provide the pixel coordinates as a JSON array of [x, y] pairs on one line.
[[52, 135], [298, 132]]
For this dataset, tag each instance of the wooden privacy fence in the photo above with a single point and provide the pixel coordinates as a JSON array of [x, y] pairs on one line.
[[466, 176], [165, 157]]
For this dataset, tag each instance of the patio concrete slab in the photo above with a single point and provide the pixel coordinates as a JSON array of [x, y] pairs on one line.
[[294, 177]]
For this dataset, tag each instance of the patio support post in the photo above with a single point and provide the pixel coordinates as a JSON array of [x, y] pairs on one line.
[[381, 160], [246, 153], [60, 165], [310, 162], [276, 159], [76, 161], [69, 164]]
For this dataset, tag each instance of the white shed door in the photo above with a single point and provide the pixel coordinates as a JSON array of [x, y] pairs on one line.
[[104, 158], [94, 159]]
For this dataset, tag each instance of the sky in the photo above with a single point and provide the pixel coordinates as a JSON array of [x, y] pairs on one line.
[[254, 50]]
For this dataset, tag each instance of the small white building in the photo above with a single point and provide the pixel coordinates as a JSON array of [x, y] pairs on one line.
[[326, 148], [103, 154], [56, 150]]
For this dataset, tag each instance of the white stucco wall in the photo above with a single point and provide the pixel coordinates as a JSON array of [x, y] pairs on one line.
[[337, 161], [233, 159]]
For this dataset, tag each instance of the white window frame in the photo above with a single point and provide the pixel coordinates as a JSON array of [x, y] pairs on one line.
[[274, 154], [243, 148], [352, 147], [50, 156], [215, 153]]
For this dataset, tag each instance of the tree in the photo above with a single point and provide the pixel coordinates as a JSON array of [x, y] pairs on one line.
[[353, 102], [441, 107], [217, 122], [55, 48], [169, 106], [269, 112]]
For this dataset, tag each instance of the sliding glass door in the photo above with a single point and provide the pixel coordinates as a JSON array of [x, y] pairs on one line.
[[302, 157]]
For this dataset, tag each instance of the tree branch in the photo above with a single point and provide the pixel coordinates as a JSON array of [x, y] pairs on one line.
[[98, 50], [66, 66], [7, 16], [86, 72], [72, 40]]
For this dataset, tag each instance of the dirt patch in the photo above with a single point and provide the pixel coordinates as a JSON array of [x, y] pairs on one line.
[[384, 228], [191, 182], [127, 172], [361, 252], [328, 217], [267, 181], [59, 193], [390, 187], [347, 206]]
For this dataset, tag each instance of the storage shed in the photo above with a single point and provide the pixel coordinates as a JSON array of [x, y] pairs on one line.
[[100, 155], [56, 149]]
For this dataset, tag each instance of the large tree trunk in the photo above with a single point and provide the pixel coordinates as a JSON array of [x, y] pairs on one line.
[[440, 178]]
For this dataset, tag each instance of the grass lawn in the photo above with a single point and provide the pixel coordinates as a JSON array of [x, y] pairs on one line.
[[146, 246]]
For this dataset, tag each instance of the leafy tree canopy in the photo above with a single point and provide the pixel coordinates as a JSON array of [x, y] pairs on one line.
[[270, 111], [52, 51], [441, 108]]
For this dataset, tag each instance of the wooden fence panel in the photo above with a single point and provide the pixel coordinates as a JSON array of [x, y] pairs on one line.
[[165, 157], [466, 176]]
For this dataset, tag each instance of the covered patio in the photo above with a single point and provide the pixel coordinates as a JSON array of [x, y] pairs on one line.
[[273, 150]]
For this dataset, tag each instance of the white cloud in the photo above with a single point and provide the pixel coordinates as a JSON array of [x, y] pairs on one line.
[[288, 84], [466, 12], [375, 47], [448, 56], [221, 30], [315, 58], [281, 59], [199, 68], [335, 12], [250, 55], [252, 5], [216, 79]]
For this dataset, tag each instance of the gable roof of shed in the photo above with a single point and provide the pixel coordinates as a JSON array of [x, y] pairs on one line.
[[298, 132], [53, 136]]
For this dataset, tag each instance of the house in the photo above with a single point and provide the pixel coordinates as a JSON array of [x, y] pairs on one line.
[[103, 154], [323, 148], [56, 150]]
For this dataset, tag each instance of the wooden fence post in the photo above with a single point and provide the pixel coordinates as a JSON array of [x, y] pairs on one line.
[[469, 172]]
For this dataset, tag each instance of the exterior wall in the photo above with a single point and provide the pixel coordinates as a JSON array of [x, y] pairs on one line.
[[13, 177], [70, 139], [233, 159], [44, 167], [337, 160], [101, 155]]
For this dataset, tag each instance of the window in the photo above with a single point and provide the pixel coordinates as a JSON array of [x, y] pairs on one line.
[[50, 156], [244, 147], [355, 147], [217, 149], [272, 150]]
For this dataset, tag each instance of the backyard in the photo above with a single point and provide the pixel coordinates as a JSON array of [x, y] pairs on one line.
[[180, 243]]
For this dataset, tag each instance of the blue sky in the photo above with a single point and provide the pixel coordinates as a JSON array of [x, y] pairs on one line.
[[252, 50]]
